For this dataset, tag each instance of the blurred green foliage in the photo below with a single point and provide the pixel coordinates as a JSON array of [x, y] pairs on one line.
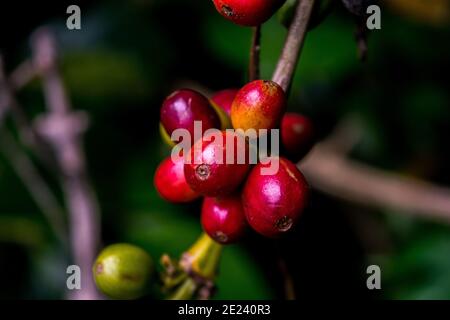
[[129, 55]]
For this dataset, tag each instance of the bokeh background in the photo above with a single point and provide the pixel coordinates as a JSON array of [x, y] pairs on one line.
[[129, 55]]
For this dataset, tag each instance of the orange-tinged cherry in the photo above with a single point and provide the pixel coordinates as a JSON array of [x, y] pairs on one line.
[[258, 105]]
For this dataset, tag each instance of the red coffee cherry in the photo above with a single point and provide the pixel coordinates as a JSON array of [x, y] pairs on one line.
[[274, 203], [258, 105], [170, 182], [223, 218], [297, 136], [208, 172], [183, 107], [248, 12], [224, 99]]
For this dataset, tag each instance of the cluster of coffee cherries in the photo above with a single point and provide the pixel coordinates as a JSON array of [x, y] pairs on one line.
[[236, 194]]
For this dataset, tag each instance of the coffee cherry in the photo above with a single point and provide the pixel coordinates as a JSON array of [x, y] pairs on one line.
[[183, 107], [223, 218], [123, 271], [258, 105], [170, 182], [297, 136], [274, 203], [208, 171], [224, 99], [221, 102], [248, 12]]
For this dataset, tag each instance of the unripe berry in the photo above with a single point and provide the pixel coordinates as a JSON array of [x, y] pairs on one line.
[[258, 105], [223, 218], [208, 171], [183, 107], [274, 203], [122, 271], [297, 136], [224, 99], [248, 12], [170, 182]]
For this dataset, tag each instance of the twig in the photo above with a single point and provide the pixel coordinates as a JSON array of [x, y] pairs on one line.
[[39, 190], [288, 282], [22, 75], [346, 135], [361, 39], [331, 172], [63, 129], [283, 75], [26, 170], [255, 50], [27, 134], [285, 69]]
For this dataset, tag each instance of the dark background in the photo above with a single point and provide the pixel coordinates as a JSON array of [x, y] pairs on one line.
[[129, 55]]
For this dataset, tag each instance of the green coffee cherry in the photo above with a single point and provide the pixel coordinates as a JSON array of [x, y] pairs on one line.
[[123, 271], [321, 10]]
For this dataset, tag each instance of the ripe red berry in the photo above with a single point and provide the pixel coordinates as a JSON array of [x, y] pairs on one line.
[[248, 12], [224, 99], [258, 105], [208, 171], [183, 107], [274, 203], [297, 136], [223, 218], [170, 182]]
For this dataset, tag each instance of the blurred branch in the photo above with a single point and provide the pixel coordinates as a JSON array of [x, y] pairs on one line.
[[63, 129], [27, 134], [25, 169], [22, 75], [37, 187], [255, 50], [283, 75], [361, 35], [288, 281], [329, 170], [285, 69]]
